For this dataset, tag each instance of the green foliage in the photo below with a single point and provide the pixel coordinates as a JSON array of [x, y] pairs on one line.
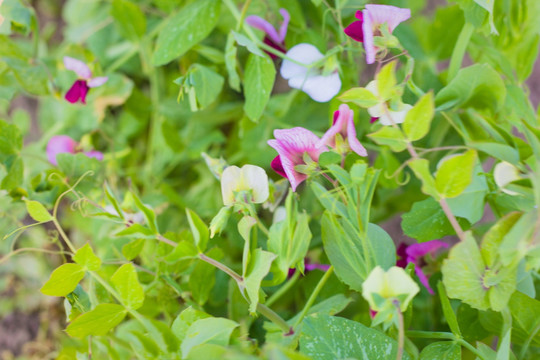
[[443, 350], [258, 83], [418, 119], [127, 284], [63, 280], [455, 174], [98, 321]]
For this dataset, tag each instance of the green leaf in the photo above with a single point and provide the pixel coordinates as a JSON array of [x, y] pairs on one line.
[[200, 231], [63, 280], [203, 277], [230, 62], [418, 119], [11, 140], [469, 323], [208, 331], [129, 18], [132, 249], [85, 257], [389, 135], [32, 78], [15, 174], [442, 350], [470, 203], [258, 83], [259, 266], [420, 167], [477, 86], [488, 6], [112, 199], [97, 322], [136, 230], [386, 81], [185, 29], [359, 96], [207, 83], [499, 151], [448, 311], [250, 45], [326, 337], [185, 319], [427, 221], [455, 174], [127, 284], [76, 165], [148, 213], [37, 211]]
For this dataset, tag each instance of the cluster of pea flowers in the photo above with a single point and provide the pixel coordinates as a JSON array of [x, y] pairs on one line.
[[307, 69]]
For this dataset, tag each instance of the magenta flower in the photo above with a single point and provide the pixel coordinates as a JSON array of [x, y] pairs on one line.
[[272, 38], [414, 254], [344, 125], [309, 267], [369, 22], [80, 87], [64, 144], [292, 145]]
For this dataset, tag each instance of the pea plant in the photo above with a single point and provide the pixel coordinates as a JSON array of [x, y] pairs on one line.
[[271, 179]]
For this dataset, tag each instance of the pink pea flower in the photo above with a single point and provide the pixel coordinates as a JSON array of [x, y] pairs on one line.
[[414, 254], [80, 87], [292, 145], [310, 267], [368, 25], [64, 144], [272, 38], [344, 125]]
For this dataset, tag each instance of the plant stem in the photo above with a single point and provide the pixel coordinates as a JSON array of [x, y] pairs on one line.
[[401, 331], [64, 236], [452, 219], [239, 280], [314, 295], [430, 335], [459, 50], [282, 290], [275, 318], [165, 240]]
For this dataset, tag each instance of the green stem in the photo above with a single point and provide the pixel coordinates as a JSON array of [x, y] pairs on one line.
[[254, 215], [431, 335], [459, 50], [401, 331], [122, 60], [282, 290], [275, 318], [313, 296], [64, 236], [240, 22], [239, 280]]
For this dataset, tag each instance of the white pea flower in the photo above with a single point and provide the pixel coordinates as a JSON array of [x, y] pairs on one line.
[[250, 179]]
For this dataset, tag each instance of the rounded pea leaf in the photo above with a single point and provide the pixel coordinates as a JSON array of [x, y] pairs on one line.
[[207, 331], [127, 284], [359, 96], [37, 211], [63, 280], [258, 84], [455, 174], [98, 321], [186, 29], [418, 119], [85, 257]]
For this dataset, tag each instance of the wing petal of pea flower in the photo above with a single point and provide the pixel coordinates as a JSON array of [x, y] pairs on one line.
[[414, 254], [343, 124], [248, 178], [272, 38], [388, 285], [291, 144], [85, 81], [369, 21], [381, 111], [60, 144], [319, 87]]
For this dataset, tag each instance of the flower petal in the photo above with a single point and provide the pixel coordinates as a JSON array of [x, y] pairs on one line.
[[392, 15], [396, 116], [277, 166], [354, 30], [259, 23], [284, 25], [422, 249], [80, 68], [94, 154], [354, 143], [423, 278], [369, 46], [229, 180], [78, 90], [303, 53], [319, 87], [60, 144], [255, 178], [97, 81]]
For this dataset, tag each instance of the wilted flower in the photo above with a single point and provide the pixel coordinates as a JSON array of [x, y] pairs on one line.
[[80, 87], [344, 126], [319, 86], [381, 288], [414, 254], [272, 38], [382, 112], [296, 147], [505, 173], [369, 25], [250, 179], [64, 144]]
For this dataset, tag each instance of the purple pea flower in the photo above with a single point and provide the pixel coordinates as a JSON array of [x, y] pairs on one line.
[[82, 85], [292, 145], [272, 38], [310, 267], [369, 21], [343, 124], [414, 254], [64, 144]]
